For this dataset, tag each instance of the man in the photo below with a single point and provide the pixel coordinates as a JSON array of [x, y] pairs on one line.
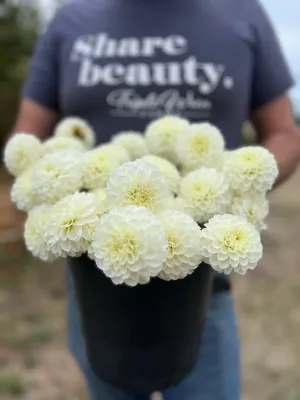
[[118, 64]]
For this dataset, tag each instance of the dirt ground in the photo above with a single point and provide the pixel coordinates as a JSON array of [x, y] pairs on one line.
[[34, 361]]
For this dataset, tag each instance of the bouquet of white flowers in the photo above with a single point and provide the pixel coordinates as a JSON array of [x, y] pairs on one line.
[[144, 205]]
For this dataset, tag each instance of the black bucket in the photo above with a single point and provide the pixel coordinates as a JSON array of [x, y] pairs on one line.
[[144, 338]]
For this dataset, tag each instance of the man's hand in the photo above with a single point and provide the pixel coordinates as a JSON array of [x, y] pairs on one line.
[[35, 119], [278, 132]]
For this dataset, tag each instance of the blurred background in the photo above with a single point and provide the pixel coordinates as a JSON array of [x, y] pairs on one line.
[[34, 361]]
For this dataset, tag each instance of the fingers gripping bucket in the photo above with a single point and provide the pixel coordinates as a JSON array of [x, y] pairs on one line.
[[142, 338]]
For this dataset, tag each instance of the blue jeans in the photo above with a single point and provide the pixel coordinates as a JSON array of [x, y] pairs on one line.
[[216, 375]]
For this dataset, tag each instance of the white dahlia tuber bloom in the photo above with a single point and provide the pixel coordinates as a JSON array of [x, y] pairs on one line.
[[22, 193], [169, 171], [133, 142], [251, 168], [77, 128], [62, 143], [206, 193], [71, 225], [57, 174], [200, 145], [137, 183], [129, 246], [161, 136], [34, 232], [252, 206], [231, 244], [98, 165], [22, 152], [184, 251]]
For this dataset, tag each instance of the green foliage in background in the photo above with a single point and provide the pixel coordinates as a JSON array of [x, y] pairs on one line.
[[18, 31]]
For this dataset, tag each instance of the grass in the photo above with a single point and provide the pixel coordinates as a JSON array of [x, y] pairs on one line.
[[12, 385]]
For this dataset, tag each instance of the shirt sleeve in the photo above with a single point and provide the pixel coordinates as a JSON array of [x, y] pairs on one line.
[[42, 83], [271, 75]]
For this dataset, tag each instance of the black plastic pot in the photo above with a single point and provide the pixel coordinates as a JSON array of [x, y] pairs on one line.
[[144, 338]]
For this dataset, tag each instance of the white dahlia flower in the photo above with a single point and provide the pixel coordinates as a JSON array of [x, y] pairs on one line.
[[71, 226], [251, 167], [200, 145], [206, 193], [130, 245], [252, 206], [137, 183], [98, 165], [77, 128], [57, 174], [62, 143], [22, 193], [114, 151], [161, 136], [100, 195], [169, 171], [133, 142], [231, 244], [22, 152], [184, 251], [34, 232]]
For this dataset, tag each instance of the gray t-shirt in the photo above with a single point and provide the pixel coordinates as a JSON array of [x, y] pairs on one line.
[[120, 63]]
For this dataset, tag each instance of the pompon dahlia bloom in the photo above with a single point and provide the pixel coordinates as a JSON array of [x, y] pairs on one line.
[[169, 171], [62, 143], [100, 195], [200, 145], [114, 151], [231, 244], [133, 142], [71, 225], [21, 152], [98, 165], [57, 175], [77, 128], [252, 206], [206, 193], [22, 193], [129, 246], [137, 183], [184, 251], [34, 232], [161, 136], [251, 168]]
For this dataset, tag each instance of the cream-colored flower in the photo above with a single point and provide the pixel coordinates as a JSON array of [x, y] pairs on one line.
[[98, 165], [34, 232], [130, 245], [74, 127], [57, 174], [21, 152], [184, 251], [200, 145], [252, 206], [162, 134], [231, 244], [100, 195], [71, 226], [137, 183], [206, 193], [114, 151], [133, 142], [176, 204], [62, 143], [169, 171], [22, 193], [249, 168]]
